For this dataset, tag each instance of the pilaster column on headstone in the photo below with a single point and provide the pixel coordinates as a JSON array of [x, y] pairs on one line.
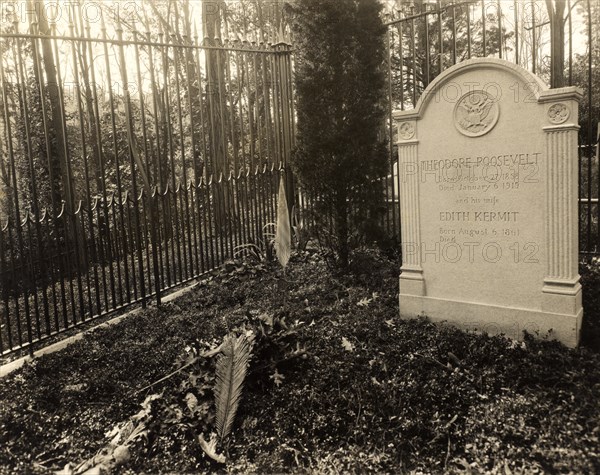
[[411, 277], [561, 289]]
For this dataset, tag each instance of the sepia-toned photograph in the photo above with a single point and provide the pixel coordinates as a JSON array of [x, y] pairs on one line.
[[299, 237]]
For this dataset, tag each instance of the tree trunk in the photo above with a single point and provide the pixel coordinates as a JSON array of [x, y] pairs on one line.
[[341, 228], [193, 80], [211, 21], [97, 165], [52, 86], [6, 201]]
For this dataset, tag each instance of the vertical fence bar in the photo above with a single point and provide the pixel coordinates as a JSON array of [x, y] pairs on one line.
[[146, 200], [391, 126], [88, 198], [256, 113], [590, 129], [427, 51], [500, 36], [225, 166], [173, 186], [276, 105], [118, 229], [197, 246], [33, 279], [40, 89], [71, 234], [83, 257], [414, 62], [267, 124], [453, 32], [440, 35], [570, 25], [13, 280], [516, 20], [240, 86], [207, 220], [201, 106], [130, 200], [469, 31], [401, 51], [533, 39], [5, 291], [189, 68], [230, 109], [102, 219], [15, 215], [188, 260], [135, 162], [19, 223], [483, 28]]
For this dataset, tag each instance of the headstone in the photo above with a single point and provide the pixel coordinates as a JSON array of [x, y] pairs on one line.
[[488, 192]]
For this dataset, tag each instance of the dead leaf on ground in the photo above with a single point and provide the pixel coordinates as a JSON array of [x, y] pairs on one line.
[[347, 345]]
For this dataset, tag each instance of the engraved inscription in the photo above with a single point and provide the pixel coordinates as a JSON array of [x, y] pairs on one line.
[[483, 219], [485, 173]]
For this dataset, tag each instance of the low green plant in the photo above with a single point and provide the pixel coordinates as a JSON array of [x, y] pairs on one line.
[[262, 250], [212, 375], [300, 231], [251, 250], [276, 346], [590, 281]]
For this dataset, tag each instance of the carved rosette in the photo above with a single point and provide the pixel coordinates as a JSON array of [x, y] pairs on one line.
[[558, 113], [406, 130], [476, 113]]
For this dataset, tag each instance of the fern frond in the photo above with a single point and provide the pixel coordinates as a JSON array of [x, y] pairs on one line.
[[230, 375], [283, 236]]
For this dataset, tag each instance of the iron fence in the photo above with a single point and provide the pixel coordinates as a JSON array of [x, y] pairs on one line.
[[425, 37], [133, 162], [59, 272], [130, 162]]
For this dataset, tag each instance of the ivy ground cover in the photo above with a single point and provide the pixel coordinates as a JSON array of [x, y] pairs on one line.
[[340, 385]]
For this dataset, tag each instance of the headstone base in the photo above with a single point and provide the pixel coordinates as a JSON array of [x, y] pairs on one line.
[[495, 320]]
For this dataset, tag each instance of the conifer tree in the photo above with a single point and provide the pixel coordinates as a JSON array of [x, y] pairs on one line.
[[340, 85]]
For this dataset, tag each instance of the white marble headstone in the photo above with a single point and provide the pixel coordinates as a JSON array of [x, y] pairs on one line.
[[488, 192]]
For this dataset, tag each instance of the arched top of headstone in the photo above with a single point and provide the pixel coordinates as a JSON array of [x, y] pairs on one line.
[[540, 92]]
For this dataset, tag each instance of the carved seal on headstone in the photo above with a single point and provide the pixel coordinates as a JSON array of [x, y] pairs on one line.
[[476, 113], [406, 130], [558, 113]]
